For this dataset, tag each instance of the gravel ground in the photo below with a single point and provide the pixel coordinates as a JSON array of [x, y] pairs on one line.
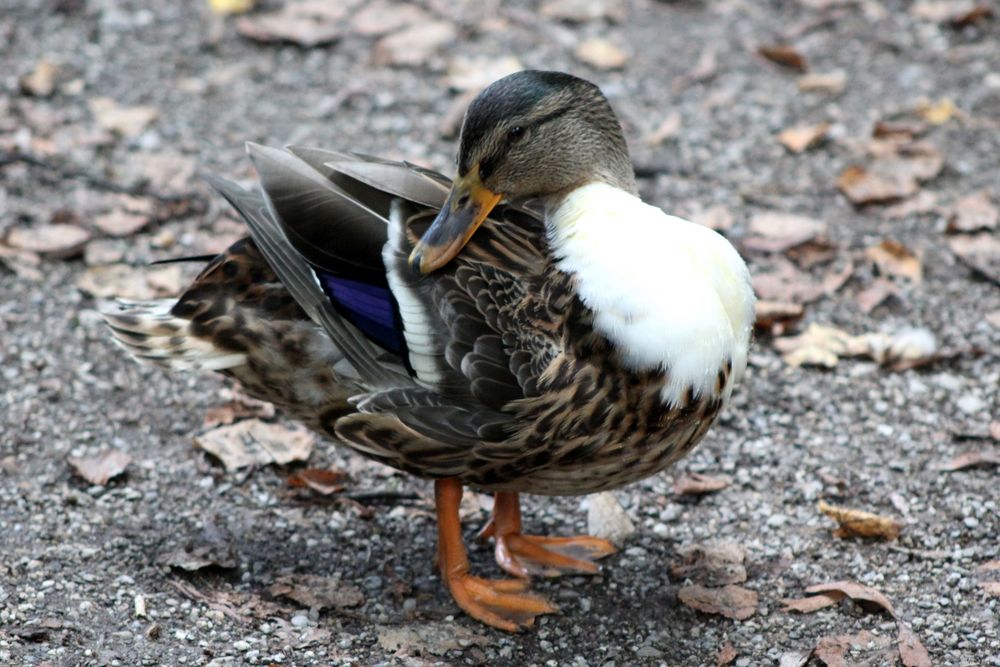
[[74, 557]]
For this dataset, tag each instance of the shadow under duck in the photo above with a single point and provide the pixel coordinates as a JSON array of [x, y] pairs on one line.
[[530, 327]]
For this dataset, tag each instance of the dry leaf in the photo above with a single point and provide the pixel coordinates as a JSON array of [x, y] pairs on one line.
[[832, 83], [971, 460], [315, 592], [306, 23], [712, 563], [121, 223], [799, 138], [922, 202], [858, 523], [994, 430], [973, 213], [823, 346], [875, 294], [704, 69], [667, 129], [991, 587], [784, 55], [957, 13], [727, 653], [379, 18], [323, 482], [867, 597], [101, 468], [810, 604], [894, 174], [580, 11], [777, 232], [936, 113], [601, 54], [56, 241], [980, 252], [784, 282], [794, 658], [230, 7], [774, 318], [41, 81], [254, 442], [911, 652], [212, 547], [428, 639], [239, 407], [473, 74], [125, 121], [167, 173], [696, 484], [836, 279], [900, 129], [716, 217], [967, 15], [730, 601], [414, 45], [606, 518], [22, 262], [129, 282], [894, 259]]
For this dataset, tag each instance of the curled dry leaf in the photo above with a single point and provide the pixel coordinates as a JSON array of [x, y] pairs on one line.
[[730, 601], [891, 176], [129, 282], [696, 484], [101, 468], [975, 459], [785, 56], [911, 652], [858, 523], [900, 129], [810, 604], [801, 137], [784, 282], [831, 83], [315, 592], [22, 262], [980, 252], [41, 81], [922, 202], [712, 563], [727, 653], [894, 259], [774, 318], [56, 241], [864, 595], [323, 482], [937, 113], [379, 18], [601, 54], [821, 345], [414, 45], [973, 213], [120, 223], [428, 639], [306, 23], [773, 231], [240, 407], [254, 442], [875, 294], [606, 518], [794, 658], [125, 121]]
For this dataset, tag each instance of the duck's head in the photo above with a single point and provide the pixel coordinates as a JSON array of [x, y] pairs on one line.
[[532, 134]]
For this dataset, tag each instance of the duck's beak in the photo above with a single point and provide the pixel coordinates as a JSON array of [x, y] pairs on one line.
[[469, 202]]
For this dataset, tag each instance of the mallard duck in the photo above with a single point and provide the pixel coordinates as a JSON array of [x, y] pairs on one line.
[[530, 327]]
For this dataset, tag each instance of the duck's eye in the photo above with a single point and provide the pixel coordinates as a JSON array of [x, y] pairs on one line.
[[515, 133]]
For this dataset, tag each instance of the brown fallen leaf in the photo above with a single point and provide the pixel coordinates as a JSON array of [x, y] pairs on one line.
[[414, 45], [956, 13], [894, 259], [937, 113], [101, 468], [838, 277], [895, 173], [774, 318], [716, 217], [920, 203], [306, 23], [323, 482], [239, 407], [867, 597], [974, 459], [129, 282], [315, 592], [785, 56], [379, 18], [831, 83], [727, 653], [773, 231], [973, 213], [971, 15], [127, 122], [875, 294], [858, 523], [784, 282], [667, 129], [900, 129], [417, 639], [704, 69], [730, 601], [980, 252], [911, 652], [810, 604], [120, 223], [467, 74], [713, 563], [55, 241], [801, 137], [831, 650], [254, 442], [41, 81], [168, 173], [230, 7], [991, 587], [696, 484], [601, 53], [24, 263]]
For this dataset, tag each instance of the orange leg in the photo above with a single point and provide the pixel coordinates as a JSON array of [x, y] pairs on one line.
[[526, 555], [504, 604]]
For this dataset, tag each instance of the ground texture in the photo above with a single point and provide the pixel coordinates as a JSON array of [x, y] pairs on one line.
[[75, 557]]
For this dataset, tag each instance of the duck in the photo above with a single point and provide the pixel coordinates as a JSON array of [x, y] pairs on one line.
[[528, 327]]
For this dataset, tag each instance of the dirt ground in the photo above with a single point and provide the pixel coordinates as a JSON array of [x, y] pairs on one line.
[[76, 560]]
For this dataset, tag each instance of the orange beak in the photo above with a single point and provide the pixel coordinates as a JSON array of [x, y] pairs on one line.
[[469, 203]]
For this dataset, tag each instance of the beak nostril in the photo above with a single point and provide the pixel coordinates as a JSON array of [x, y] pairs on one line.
[[463, 201]]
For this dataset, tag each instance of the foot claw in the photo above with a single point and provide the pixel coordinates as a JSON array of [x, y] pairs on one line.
[[525, 555]]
